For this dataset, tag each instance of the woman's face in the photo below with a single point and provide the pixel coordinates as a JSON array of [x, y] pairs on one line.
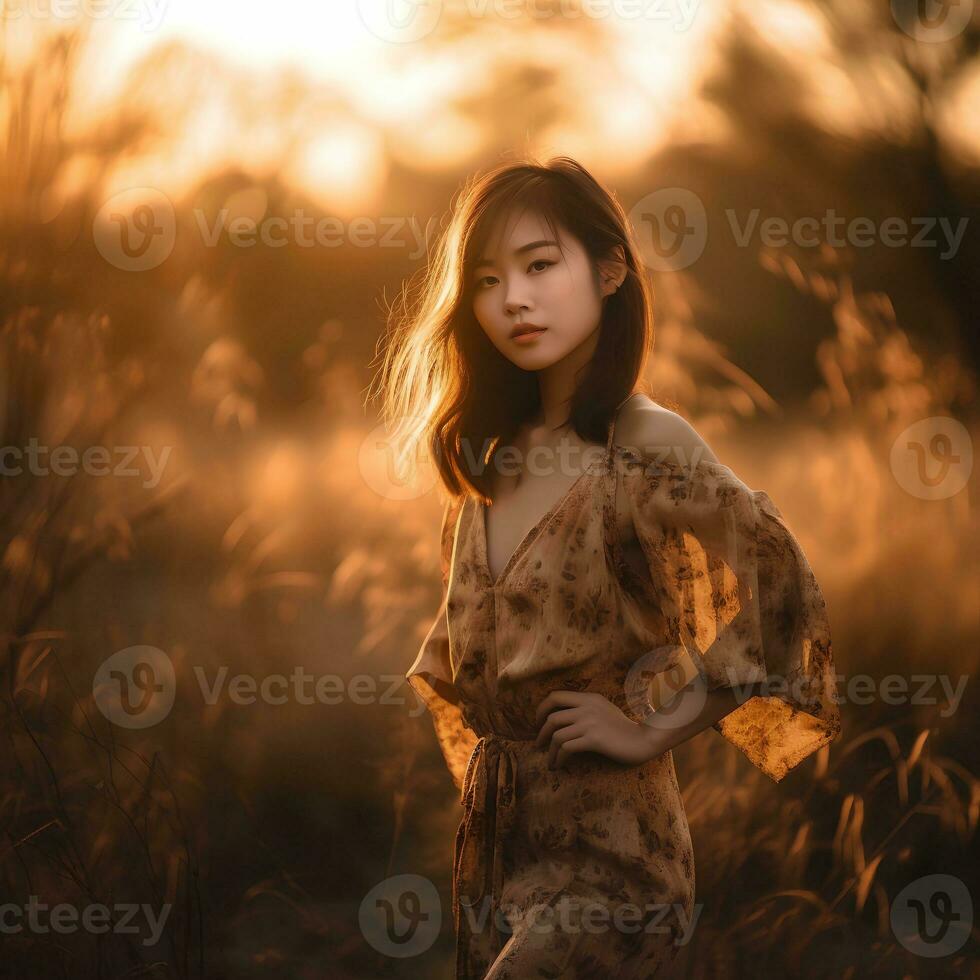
[[525, 279]]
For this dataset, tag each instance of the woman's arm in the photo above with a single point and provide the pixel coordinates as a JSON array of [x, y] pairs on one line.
[[583, 721]]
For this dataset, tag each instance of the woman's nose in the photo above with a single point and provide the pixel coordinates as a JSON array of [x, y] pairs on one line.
[[516, 300]]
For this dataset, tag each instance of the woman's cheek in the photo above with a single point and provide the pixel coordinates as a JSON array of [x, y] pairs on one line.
[[482, 318]]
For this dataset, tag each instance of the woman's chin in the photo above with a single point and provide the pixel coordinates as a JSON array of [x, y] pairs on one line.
[[536, 358]]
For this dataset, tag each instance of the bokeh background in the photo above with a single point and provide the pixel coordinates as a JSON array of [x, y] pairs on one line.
[[264, 545]]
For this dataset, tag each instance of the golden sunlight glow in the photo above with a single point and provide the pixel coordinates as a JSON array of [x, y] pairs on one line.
[[323, 41], [280, 476], [314, 92], [960, 119], [791, 27], [248, 119], [846, 97], [342, 168], [637, 88], [316, 96]]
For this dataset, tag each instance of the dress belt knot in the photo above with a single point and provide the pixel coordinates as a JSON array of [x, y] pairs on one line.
[[489, 797]]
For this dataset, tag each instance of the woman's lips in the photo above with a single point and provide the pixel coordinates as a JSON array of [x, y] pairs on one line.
[[529, 336]]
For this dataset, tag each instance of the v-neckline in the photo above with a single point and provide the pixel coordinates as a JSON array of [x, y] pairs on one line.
[[529, 538], [532, 534]]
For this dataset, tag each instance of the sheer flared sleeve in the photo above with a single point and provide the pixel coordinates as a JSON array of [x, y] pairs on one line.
[[736, 596], [431, 676]]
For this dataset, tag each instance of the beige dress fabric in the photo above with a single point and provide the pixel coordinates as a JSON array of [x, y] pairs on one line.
[[726, 587]]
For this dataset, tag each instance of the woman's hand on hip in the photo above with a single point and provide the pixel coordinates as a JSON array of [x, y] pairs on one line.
[[584, 721]]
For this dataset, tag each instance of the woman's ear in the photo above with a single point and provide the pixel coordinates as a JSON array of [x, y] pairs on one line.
[[612, 271]]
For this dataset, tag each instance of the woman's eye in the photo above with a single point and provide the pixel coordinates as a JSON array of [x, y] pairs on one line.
[[480, 282]]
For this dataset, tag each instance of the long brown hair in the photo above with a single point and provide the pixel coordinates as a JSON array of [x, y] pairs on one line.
[[446, 387]]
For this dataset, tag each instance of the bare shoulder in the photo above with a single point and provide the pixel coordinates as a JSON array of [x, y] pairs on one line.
[[650, 430]]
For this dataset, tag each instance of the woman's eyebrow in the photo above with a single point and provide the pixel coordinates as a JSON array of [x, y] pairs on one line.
[[530, 246]]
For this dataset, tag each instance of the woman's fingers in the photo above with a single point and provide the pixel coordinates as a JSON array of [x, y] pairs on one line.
[[580, 744], [562, 737], [556, 720], [559, 699], [570, 723]]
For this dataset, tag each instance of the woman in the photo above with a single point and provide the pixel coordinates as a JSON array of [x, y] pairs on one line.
[[595, 556]]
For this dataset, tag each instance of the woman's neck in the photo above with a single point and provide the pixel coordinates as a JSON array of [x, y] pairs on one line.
[[557, 384]]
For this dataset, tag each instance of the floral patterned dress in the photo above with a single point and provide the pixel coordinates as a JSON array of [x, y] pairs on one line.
[[588, 869]]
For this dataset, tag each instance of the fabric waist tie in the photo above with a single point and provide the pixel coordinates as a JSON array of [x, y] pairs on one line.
[[489, 796]]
